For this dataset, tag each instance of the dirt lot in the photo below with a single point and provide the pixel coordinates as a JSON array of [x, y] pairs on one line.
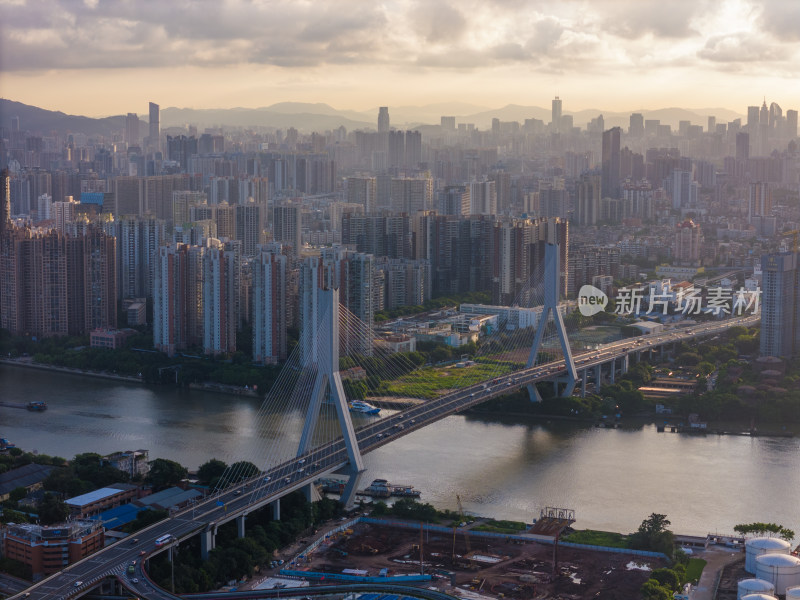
[[492, 567]]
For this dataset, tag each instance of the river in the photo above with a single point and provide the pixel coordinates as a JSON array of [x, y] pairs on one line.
[[503, 467]]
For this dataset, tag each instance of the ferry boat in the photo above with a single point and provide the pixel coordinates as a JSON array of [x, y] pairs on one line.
[[364, 407], [5, 444], [381, 488], [37, 406]]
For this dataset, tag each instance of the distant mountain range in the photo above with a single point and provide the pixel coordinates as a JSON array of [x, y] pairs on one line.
[[308, 117]]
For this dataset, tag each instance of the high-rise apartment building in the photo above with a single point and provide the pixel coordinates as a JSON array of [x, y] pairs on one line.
[[409, 195], [221, 280], [138, 240], [250, 220], [287, 226], [387, 235], [53, 284], [483, 198], [611, 162], [269, 270], [687, 243], [154, 139], [363, 191], [759, 201], [589, 195], [177, 298], [454, 200], [780, 308]]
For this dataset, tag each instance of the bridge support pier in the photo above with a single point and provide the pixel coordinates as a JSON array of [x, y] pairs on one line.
[[533, 393], [348, 496], [275, 507], [625, 364], [208, 540], [613, 376], [240, 526], [584, 375]]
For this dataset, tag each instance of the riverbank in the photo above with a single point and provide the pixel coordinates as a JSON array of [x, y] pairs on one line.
[[217, 388], [29, 363]]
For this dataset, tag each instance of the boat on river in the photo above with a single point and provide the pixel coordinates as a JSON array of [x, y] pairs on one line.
[[364, 407]]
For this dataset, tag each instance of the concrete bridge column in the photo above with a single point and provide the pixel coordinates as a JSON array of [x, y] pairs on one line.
[[208, 541], [613, 376], [240, 525], [625, 363], [584, 376], [275, 506], [598, 376]]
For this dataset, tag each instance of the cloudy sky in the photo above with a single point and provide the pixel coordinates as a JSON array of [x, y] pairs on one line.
[[101, 57]]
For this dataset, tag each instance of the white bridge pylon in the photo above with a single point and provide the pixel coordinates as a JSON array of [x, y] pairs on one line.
[[551, 289], [324, 359]]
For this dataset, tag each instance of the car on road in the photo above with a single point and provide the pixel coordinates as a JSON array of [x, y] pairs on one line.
[[142, 553], [134, 580], [287, 480], [134, 540], [267, 478], [78, 584], [237, 493]]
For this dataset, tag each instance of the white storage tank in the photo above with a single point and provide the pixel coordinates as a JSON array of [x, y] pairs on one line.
[[793, 593], [759, 597], [783, 570], [754, 586], [763, 545]]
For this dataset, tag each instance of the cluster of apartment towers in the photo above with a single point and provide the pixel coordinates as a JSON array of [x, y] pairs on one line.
[[214, 240]]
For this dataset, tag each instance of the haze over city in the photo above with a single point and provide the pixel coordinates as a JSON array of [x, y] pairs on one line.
[[102, 58]]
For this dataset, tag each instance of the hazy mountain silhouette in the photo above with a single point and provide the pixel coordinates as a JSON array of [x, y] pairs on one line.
[[308, 117]]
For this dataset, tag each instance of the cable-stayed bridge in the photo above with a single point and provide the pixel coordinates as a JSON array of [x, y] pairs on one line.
[[308, 406]]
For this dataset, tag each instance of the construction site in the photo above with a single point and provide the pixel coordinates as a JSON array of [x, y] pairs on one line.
[[475, 566]]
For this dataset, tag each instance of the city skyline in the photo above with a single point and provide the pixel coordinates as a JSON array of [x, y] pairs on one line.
[[111, 58]]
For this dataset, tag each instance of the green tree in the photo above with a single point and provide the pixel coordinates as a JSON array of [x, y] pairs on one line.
[[17, 494], [653, 535], [651, 590], [164, 473], [667, 578], [52, 510], [210, 471]]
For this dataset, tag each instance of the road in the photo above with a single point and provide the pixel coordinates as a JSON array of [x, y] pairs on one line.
[[293, 474]]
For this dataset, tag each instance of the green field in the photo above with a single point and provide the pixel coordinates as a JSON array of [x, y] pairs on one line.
[[591, 537], [694, 569], [430, 382], [510, 527]]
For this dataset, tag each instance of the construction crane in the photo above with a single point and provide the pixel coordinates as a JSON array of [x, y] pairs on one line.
[[455, 529]]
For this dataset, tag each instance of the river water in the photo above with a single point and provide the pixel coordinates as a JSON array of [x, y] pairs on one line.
[[503, 467]]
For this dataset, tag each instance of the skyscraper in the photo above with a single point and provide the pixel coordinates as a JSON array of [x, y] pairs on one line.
[[611, 162], [155, 128], [791, 124], [383, 119], [780, 313], [132, 129], [555, 120], [636, 127], [742, 145]]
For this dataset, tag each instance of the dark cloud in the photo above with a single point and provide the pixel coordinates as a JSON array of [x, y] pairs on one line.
[[782, 19]]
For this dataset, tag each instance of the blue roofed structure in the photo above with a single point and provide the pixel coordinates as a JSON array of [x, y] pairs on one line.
[[114, 518]]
